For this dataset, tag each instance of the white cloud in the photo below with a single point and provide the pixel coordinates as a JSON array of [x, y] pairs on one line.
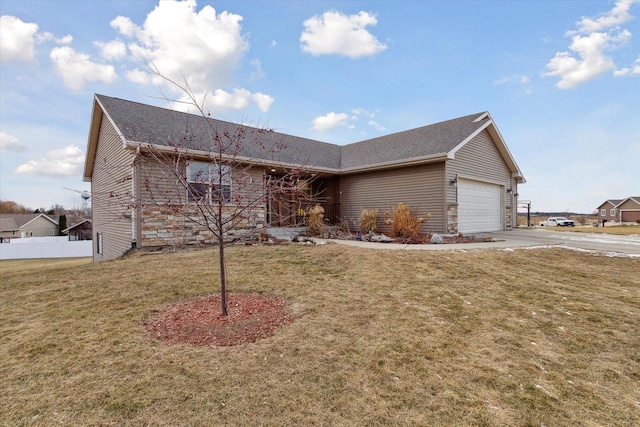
[[124, 26], [523, 80], [65, 40], [61, 163], [591, 62], [17, 39], [590, 43], [634, 70], [138, 76], [377, 126], [263, 101], [199, 50], [330, 121], [203, 47], [221, 100], [259, 72], [112, 51], [616, 16], [9, 142], [77, 68], [336, 33]]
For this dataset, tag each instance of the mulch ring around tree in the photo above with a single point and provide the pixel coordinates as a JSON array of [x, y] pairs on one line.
[[251, 317]]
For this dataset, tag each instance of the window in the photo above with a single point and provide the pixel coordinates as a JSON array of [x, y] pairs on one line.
[[603, 212], [612, 212], [99, 247], [203, 178]]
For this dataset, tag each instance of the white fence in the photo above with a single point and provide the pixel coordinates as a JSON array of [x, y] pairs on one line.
[[45, 247]]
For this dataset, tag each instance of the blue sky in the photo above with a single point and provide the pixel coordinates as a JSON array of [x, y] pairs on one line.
[[560, 78]]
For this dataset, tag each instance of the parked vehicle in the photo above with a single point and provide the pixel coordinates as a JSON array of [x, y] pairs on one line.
[[558, 221]]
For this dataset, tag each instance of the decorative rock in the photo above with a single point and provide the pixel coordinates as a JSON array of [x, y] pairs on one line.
[[380, 238], [436, 239]]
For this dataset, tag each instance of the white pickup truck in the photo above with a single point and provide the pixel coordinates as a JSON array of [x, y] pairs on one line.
[[557, 221]]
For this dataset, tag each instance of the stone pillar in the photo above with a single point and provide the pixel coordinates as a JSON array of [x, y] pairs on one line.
[[452, 218]]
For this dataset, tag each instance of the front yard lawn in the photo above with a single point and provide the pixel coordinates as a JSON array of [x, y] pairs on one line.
[[519, 337]]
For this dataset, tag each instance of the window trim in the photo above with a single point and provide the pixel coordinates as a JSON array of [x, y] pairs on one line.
[[99, 244], [612, 212], [603, 212], [206, 172]]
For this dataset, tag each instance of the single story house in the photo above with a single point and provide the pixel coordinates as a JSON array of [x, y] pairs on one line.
[[15, 226], [79, 231], [620, 210], [459, 171]]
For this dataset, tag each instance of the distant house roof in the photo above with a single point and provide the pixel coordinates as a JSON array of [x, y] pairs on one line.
[[82, 225], [612, 202], [634, 198], [139, 124], [14, 222]]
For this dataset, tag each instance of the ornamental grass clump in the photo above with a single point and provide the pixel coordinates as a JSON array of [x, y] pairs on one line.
[[316, 220], [368, 221], [404, 222]]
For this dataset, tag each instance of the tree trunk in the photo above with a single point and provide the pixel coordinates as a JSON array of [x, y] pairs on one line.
[[223, 275]]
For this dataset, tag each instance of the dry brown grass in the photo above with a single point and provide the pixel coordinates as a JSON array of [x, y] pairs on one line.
[[316, 220], [403, 221], [368, 221], [525, 337]]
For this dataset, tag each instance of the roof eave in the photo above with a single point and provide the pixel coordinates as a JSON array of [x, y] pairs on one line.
[[439, 157], [206, 155]]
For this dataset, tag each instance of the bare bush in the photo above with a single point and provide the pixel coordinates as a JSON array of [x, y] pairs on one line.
[[404, 222], [368, 221]]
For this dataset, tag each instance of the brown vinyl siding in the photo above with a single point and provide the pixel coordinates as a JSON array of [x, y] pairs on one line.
[[111, 194], [480, 160], [629, 211], [39, 227], [420, 187]]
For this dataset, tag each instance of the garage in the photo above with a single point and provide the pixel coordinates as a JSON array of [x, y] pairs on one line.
[[630, 216], [479, 206]]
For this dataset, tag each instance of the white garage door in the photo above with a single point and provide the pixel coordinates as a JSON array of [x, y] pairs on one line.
[[479, 206]]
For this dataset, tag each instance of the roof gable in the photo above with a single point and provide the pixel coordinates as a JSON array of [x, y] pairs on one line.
[[11, 222], [612, 202], [432, 141], [631, 201]]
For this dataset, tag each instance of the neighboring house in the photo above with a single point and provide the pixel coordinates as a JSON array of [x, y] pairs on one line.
[[629, 209], [607, 211], [460, 171], [620, 210], [79, 231], [15, 226]]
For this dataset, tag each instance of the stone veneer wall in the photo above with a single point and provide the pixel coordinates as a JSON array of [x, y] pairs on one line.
[[509, 213], [452, 218], [163, 227]]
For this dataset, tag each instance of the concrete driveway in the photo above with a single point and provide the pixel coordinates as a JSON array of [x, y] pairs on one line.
[[530, 238], [607, 243]]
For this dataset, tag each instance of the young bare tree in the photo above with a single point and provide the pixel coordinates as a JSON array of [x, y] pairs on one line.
[[206, 178]]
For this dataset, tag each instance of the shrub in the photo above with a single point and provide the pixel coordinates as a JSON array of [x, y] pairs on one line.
[[368, 222], [316, 220], [404, 222]]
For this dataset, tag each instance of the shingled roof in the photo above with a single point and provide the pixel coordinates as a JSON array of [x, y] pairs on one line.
[[14, 222], [140, 123]]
